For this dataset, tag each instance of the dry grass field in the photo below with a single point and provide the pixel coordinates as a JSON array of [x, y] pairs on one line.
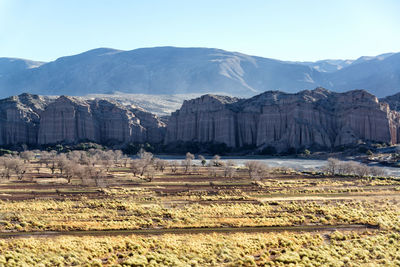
[[184, 215]]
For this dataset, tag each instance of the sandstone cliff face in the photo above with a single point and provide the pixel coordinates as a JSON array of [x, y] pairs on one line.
[[32, 119], [66, 120], [310, 118], [392, 105], [19, 118], [317, 118], [71, 120]]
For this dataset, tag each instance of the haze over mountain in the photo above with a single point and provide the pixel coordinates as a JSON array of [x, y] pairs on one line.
[[173, 70]]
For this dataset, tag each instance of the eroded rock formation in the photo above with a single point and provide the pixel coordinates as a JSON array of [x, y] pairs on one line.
[[317, 118], [20, 117], [70, 119], [33, 119]]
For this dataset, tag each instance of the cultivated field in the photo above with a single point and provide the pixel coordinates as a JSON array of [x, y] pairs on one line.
[[99, 208]]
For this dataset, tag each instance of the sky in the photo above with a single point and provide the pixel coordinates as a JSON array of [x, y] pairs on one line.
[[297, 30]]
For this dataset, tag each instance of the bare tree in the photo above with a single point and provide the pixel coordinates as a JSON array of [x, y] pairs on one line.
[[27, 156], [45, 158], [216, 161], [136, 167], [117, 156], [19, 167], [256, 169], [145, 160], [174, 166], [229, 169], [212, 170], [62, 161], [53, 166], [6, 166], [150, 173], [377, 172], [125, 161], [70, 170], [187, 162], [107, 163], [94, 174], [331, 166], [160, 164], [355, 168]]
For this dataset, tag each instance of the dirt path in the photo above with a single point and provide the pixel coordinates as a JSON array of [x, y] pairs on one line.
[[327, 197], [265, 229]]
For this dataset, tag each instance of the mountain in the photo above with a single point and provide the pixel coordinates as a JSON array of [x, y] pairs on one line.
[[14, 65], [160, 105], [379, 75], [328, 65], [173, 70]]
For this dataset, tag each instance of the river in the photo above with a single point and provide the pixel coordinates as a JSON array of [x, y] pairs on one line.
[[294, 163]]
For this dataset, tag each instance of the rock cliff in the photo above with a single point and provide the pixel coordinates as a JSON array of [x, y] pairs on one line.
[[317, 118], [70, 119], [32, 119], [20, 117]]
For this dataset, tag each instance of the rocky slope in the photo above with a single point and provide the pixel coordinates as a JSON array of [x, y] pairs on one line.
[[317, 118], [33, 119], [174, 70]]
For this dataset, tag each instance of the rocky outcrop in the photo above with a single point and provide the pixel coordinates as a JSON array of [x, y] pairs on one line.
[[71, 120], [20, 117], [32, 119], [317, 118], [392, 104]]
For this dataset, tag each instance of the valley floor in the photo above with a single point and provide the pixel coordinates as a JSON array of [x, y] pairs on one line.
[[199, 219]]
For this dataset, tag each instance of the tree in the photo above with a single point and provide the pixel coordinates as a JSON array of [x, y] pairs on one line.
[[256, 169], [187, 163], [377, 172], [202, 160], [136, 167], [94, 174], [70, 170], [216, 161], [27, 156], [107, 163], [62, 161], [117, 156], [212, 170], [160, 164], [150, 172], [53, 166], [229, 169], [19, 167], [174, 166], [145, 159], [331, 166], [6, 166]]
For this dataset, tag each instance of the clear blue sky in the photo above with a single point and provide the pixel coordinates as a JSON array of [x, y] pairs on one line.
[[287, 29]]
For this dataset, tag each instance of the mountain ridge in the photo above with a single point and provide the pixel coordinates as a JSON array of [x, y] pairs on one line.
[[175, 70]]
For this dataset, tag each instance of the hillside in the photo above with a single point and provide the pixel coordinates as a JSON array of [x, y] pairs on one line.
[[172, 70]]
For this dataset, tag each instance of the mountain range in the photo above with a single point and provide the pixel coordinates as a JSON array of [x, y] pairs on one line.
[[173, 70]]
